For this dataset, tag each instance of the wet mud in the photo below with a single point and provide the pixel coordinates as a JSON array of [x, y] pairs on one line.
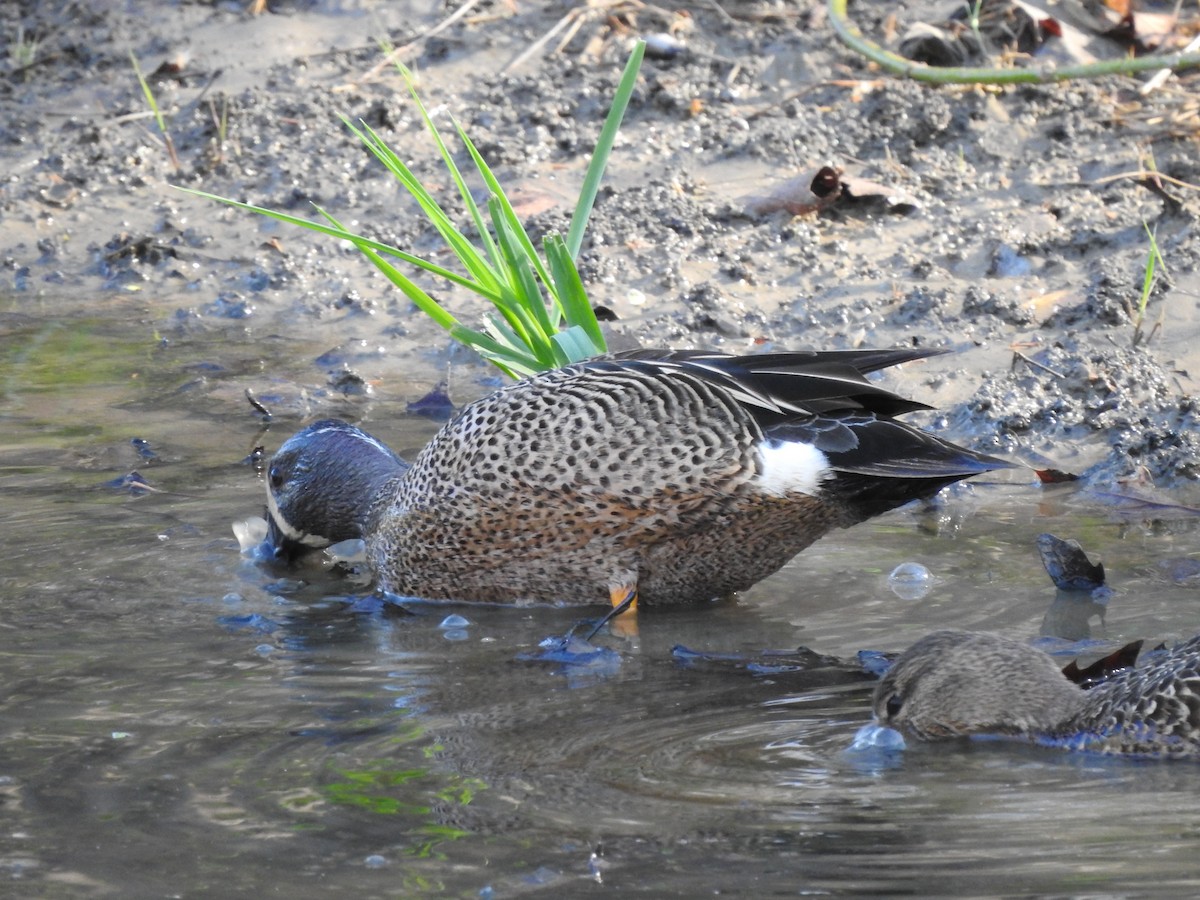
[[1020, 241]]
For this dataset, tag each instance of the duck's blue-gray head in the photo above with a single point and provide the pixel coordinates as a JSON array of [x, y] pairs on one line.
[[321, 485]]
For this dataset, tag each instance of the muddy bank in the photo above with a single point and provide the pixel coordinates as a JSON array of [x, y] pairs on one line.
[[1021, 243]]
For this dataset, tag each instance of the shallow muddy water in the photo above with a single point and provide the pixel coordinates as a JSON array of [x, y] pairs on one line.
[[178, 721]]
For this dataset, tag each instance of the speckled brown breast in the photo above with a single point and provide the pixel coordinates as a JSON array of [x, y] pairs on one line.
[[569, 484]]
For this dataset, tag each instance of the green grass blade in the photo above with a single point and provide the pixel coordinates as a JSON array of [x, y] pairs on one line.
[[574, 345], [509, 345], [510, 215], [527, 293], [424, 302], [468, 254], [357, 239], [577, 308], [604, 144], [509, 355], [464, 192], [149, 94], [512, 359]]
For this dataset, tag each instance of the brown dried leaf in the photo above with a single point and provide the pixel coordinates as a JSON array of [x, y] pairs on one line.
[[799, 195], [857, 188]]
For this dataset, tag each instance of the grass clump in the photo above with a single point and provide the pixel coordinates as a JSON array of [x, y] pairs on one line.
[[23, 51], [542, 317], [1154, 262]]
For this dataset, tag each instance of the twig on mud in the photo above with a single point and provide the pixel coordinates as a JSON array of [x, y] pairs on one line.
[[1161, 76], [721, 13], [576, 18], [1029, 361], [398, 53], [573, 20], [850, 35], [1145, 174]]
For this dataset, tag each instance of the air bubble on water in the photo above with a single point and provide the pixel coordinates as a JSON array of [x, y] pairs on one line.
[[250, 533], [877, 737], [910, 581]]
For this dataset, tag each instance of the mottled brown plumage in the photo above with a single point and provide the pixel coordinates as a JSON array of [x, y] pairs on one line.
[[957, 683], [676, 473]]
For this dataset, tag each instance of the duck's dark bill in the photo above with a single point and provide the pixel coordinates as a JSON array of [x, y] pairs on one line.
[[279, 546]]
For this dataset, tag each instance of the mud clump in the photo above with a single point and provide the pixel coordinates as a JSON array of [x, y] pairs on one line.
[[1120, 410]]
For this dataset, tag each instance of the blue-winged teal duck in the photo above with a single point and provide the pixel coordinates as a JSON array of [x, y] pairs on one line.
[[955, 683], [668, 475]]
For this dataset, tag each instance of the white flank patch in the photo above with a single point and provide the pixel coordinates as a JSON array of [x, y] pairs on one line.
[[791, 467]]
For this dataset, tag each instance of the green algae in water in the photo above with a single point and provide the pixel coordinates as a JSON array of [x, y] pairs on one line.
[[67, 354]]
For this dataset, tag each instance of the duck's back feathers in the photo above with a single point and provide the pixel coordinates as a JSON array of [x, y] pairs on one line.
[[778, 387], [1152, 708], [824, 399]]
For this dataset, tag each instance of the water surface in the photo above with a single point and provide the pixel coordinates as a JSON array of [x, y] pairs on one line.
[[176, 720]]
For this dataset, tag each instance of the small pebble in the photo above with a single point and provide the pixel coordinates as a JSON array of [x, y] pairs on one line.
[[663, 46]]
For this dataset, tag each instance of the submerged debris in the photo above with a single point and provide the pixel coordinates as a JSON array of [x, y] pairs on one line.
[[1068, 566]]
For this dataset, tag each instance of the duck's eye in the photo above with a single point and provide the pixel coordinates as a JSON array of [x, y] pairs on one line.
[[276, 477], [893, 705]]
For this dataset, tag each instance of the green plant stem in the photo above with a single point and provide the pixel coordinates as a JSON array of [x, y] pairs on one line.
[[159, 119], [604, 144], [853, 38]]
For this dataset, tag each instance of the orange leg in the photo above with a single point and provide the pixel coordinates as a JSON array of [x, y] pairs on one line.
[[624, 599], [623, 614]]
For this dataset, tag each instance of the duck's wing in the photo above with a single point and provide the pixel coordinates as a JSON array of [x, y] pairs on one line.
[[824, 398], [1153, 708], [777, 387]]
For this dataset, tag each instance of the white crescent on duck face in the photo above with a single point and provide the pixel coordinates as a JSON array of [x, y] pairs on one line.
[[682, 474]]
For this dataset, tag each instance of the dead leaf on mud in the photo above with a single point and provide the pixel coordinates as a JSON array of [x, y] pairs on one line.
[[799, 195], [898, 199], [812, 192], [1054, 476]]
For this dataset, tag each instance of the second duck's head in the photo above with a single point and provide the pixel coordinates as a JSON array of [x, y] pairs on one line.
[[321, 484]]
